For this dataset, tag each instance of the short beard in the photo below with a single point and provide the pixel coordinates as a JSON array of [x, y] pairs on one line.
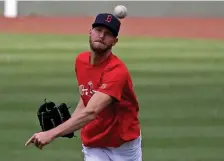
[[99, 51]]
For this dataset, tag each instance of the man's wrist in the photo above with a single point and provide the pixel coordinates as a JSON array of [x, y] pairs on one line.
[[54, 132]]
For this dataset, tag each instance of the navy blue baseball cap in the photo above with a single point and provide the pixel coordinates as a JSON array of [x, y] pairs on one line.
[[108, 20]]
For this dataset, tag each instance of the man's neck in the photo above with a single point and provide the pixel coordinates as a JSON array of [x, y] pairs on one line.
[[98, 58]]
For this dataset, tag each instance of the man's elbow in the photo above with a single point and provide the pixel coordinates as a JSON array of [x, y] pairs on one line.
[[91, 113]]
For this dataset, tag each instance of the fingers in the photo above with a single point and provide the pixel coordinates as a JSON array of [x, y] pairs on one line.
[[38, 144], [31, 140], [41, 146], [36, 141]]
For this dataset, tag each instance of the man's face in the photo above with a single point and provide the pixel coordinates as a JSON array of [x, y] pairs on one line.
[[101, 39]]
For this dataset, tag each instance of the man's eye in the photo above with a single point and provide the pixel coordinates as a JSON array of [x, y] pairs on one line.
[[108, 34]]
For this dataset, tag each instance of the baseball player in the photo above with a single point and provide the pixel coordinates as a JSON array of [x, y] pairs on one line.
[[107, 112]]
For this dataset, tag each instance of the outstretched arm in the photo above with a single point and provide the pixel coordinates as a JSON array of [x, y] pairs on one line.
[[82, 116], [79, 107]]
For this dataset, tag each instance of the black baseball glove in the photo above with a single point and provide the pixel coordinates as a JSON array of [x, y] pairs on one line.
[[50, 116]]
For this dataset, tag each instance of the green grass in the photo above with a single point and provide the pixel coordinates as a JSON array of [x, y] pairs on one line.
[[179, 84]]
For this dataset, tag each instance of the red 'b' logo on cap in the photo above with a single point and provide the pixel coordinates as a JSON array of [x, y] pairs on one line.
[[109, 18]]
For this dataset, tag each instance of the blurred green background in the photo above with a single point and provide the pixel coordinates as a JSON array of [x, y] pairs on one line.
[[179, 84]]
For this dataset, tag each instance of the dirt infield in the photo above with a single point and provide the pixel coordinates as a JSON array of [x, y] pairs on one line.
[[154, 27]]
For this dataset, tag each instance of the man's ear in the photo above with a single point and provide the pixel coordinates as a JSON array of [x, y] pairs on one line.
[[115, 41], [90, 31]]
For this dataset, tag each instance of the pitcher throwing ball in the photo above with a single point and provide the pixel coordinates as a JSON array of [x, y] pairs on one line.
[[107, 112]]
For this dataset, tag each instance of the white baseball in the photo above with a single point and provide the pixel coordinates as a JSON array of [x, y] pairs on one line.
[[120, 11]]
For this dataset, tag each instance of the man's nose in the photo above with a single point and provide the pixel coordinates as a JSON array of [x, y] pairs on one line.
[[102, 34]]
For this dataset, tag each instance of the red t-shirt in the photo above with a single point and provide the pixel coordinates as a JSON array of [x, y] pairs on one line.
[[117, 123]]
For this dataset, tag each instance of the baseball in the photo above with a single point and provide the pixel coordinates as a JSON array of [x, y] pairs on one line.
[[120, 11]]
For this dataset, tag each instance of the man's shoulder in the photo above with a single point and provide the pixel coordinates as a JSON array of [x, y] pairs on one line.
[[82, 56], [116, 62]]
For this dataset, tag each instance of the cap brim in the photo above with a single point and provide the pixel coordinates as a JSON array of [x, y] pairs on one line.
[[107, 26]]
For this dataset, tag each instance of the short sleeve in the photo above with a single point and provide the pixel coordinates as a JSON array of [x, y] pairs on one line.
[[75, 65], [113, 81], [76, 68]]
